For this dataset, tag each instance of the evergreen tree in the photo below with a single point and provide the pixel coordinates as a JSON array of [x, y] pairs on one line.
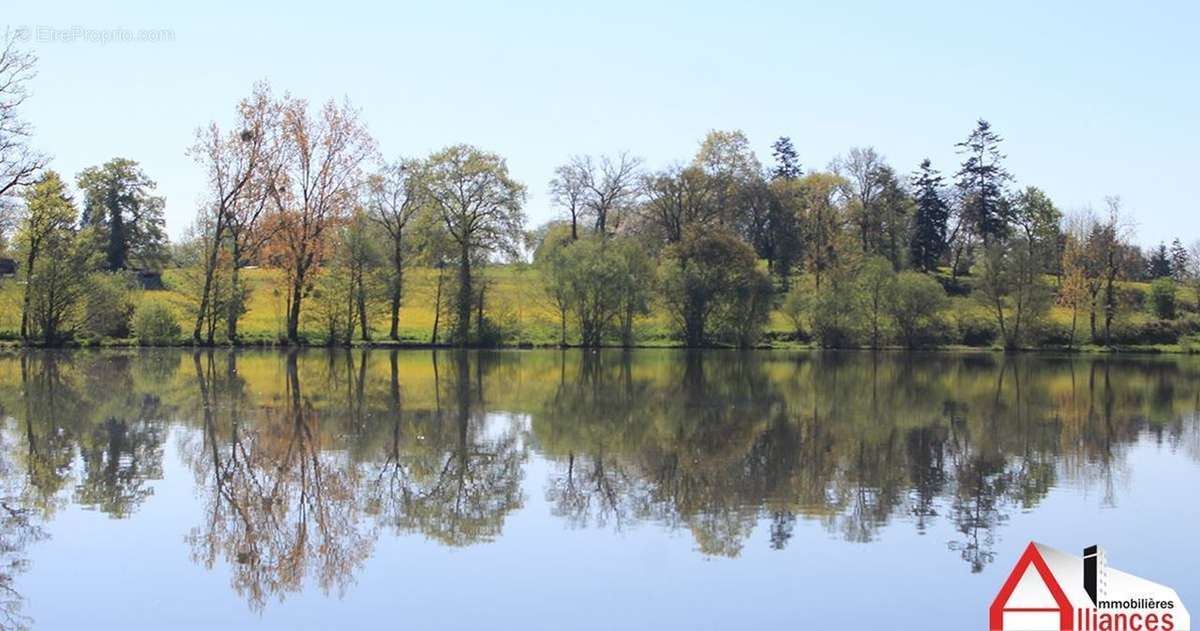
[[982, 179], [1159, 265], [928, 241], [787, 163], [127, 217], [1180, 260]]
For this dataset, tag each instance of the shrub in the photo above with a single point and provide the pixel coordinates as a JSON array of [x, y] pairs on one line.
[[954, 286], [1162, 298], [915, 304], [1131, 296], [796, 306], [1051, 333], [707, 278], [836, 314], [1147, 332], [975, 330], [107, 307], [741, 319], [155, 324]]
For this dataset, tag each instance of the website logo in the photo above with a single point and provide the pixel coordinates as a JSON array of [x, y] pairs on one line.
[[1049, 590]]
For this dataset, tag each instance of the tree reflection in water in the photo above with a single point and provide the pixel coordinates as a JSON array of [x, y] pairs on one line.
[[282, 499], [303, 460]]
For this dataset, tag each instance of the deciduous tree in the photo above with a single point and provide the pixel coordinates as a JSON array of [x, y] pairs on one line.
[[480, 206], [394, 201], [49, 221], [124, 215], [316, 189], [232, 161], [19, 163]]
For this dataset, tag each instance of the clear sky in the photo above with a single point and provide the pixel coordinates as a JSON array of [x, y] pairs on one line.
[[1092, 99]]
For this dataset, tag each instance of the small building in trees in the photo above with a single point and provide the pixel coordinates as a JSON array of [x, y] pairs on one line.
[[8, 267], [149, 279]]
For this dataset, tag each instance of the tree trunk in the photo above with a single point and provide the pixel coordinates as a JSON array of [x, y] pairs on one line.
[[362, 308], [1110, 309], [293, 316], [1074, 324], [397, 290], [462, 327], [1092, 317], [210, 266], [437, 304], [29, 261], [235, 296]]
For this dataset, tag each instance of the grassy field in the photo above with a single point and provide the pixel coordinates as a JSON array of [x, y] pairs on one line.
[[517, 302]]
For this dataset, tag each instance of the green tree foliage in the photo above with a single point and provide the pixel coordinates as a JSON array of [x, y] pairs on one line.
[[1162, 298], [929, 225], [877, 204], [1011, 287], [1159, 264], [481, 209], [781, 240], [822, 222], [1037, 219], [733, 173], [678, 198], [333, 304], [394, 202], [550, 244], [636, 284], [982, 180], [787, 161], [107, 306], [360, 257], [1181, 261], [46, 230], [797, 306], [123, 214], [58, 285], [155, 324], [837, 310], [875, 283], [703, 278], [916, 303], [894, 215], [599, 284]]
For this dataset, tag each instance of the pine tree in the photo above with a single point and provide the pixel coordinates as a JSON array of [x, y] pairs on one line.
[[929, 222], [982, 179], [787, 163], [1159, 265], [1180, 260]]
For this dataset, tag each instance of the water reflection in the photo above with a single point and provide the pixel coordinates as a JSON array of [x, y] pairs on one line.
[[303, 461]]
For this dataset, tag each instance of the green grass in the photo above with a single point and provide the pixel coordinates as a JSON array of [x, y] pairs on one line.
[[515, 300]]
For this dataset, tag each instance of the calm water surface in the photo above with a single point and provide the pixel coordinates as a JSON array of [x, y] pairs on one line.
[[549, 490]]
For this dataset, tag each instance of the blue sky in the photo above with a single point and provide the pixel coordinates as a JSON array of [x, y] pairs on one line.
[[1092, 100]]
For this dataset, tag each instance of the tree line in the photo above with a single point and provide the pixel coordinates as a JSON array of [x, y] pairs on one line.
[[855, 254]]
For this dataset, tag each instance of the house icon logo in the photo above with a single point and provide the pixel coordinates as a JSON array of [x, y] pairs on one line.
[[1049, 590]]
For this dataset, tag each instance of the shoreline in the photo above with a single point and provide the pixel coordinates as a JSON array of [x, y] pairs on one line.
[[388, 344]]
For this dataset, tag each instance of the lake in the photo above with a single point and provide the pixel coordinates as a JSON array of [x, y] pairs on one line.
[[575, 490]]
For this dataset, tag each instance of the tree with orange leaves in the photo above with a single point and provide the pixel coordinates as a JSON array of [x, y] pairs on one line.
[[323, 154]]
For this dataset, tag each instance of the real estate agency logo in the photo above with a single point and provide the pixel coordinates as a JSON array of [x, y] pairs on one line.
[[1049, 590]]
